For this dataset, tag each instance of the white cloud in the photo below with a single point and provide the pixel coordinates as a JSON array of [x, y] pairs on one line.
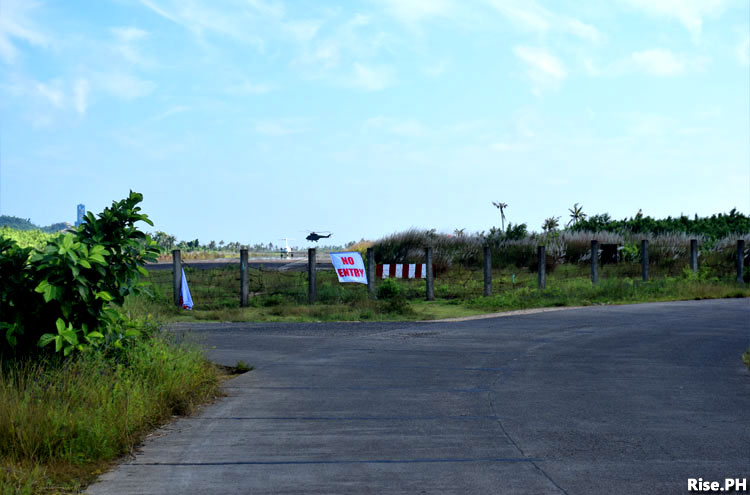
[[241, 22], [302, 31], [52, 93], [690, 13], [124, 86], [743, 51], [246, 87], [544, 69], [659, 62], [437, 68], [169, 112], [16, 25], [282, 127], [414, 11], [371, 78], [406, 128], [80, 95], [582, 30], [503, 146], [530, 16], [129, 34]]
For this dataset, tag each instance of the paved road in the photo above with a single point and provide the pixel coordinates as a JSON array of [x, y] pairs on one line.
[[619, 399]]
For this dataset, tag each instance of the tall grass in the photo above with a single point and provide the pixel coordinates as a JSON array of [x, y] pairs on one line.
[[666, 251], [93, 408]]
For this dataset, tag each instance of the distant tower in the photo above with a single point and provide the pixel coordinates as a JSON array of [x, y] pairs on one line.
[[81, 214]]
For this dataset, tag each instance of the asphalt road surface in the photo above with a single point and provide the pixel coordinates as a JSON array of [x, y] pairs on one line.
[[616, 399]]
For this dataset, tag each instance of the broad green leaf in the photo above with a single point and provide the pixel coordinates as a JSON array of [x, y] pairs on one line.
[[46, 339], [60, 324], [132, 333], [42, 287], [71, 336], [104, 295], [84, 263]]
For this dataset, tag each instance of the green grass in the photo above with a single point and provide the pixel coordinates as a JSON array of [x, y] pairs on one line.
[[61, 423], [283, 296]]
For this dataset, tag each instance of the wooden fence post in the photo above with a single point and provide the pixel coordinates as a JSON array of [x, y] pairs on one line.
[[740, 260], [694, 255], [176, 275], [541, 253], [311, 262], [644, 260], [487, 271], [243, 279], [371, 272], [430, 275], [595, 262]]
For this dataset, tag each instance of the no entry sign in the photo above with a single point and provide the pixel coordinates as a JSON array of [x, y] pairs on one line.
[[349, 267]]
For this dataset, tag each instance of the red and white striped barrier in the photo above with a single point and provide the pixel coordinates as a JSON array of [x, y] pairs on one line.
[[402, 270]]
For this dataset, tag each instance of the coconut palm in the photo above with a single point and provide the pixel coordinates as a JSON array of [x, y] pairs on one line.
[[576, 214], [551, 224], [501, 206]]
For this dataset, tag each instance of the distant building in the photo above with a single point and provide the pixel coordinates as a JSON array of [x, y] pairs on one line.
[[81, 214]]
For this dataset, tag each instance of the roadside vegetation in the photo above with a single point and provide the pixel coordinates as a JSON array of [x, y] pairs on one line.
[[81, 381]]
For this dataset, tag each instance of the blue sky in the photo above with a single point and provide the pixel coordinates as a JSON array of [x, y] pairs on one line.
[[253, 120]]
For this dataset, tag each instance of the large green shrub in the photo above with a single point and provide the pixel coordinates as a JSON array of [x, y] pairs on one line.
[[60, 294]]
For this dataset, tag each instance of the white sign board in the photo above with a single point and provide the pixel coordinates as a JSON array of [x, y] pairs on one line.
[[349, 267]]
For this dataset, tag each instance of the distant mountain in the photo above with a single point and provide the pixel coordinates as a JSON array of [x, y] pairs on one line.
[[26, 224], [17, 223]]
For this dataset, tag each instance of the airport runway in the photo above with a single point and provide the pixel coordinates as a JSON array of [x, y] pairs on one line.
[[298, 263]]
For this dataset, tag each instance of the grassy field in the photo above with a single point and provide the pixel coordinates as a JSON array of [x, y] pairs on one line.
[[282, 296], [64, 422]]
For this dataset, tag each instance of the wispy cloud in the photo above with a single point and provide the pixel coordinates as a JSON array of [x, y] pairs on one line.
[[250, 88], [529, 15], [370, 77], [124, 86], [16, 25], [743, 51], [414, 11], [544, 69], [238, 21], [80, 95], [126, 44], [177, 109], [129, 33], [281, 127], [52, 93], [399, 127], [690, 13], [663, 63], [436, 69], [658, 62]]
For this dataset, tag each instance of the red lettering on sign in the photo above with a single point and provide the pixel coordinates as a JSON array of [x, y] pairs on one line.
[[341, 272]]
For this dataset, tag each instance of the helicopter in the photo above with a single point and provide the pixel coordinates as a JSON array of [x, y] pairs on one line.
[[315, 237]]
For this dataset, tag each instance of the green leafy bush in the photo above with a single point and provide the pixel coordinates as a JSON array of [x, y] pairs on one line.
[[389, 289], [60, 294]]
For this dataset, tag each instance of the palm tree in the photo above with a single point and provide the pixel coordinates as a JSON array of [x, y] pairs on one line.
[[551, 224], [501, 206], [576, 214]]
